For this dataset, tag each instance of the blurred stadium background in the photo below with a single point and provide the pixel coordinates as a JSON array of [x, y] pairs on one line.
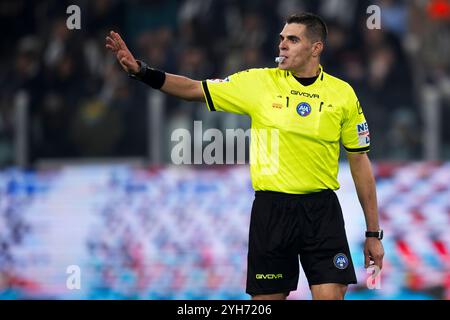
[[85, 172]]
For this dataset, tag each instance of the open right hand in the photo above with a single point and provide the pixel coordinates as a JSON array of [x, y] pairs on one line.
[[115, 43]]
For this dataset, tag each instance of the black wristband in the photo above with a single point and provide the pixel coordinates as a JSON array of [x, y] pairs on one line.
[[153, 77], [375, 234]]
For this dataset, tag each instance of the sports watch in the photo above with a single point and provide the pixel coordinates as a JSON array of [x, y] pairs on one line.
[[375, 234]]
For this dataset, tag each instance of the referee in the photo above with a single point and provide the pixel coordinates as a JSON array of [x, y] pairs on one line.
[[296, 212]]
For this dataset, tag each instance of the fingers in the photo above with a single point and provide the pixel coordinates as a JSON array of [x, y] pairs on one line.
[[118, 40], [366, 260], [373, 253], [121, 42], [110, 43], [110, 47], [370, 260], [112, 35], [378, 260], [115, 43]]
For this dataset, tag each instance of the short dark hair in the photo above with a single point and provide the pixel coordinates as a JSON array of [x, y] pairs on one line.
[[316, 28]]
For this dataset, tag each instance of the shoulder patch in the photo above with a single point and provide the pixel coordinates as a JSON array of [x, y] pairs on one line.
[[362, 130]]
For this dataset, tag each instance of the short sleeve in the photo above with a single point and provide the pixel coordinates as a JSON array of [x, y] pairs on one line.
[[355, 134], [237, 93]]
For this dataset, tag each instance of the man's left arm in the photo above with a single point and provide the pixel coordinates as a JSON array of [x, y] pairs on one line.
[[364, 180]]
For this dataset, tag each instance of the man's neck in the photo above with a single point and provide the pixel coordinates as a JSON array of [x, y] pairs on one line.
[[307, 71]]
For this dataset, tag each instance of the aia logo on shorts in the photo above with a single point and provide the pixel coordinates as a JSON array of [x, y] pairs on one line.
[[340, 261]]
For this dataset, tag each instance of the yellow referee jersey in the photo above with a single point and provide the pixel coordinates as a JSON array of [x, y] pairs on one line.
[[296, 129]]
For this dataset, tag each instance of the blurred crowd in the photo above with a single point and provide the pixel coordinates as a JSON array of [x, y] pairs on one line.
[[182, 233], [81, 104]]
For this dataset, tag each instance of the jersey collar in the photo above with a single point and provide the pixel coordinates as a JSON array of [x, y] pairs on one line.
[[317, 82]]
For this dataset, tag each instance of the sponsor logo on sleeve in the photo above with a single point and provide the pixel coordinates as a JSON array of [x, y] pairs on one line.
[[227, 79], [362, 130]]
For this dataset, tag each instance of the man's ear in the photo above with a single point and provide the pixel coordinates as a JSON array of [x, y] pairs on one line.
[[317, 48]]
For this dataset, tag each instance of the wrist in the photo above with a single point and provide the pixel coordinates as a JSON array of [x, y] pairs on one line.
[[153, 77], [379, 234], [140, 70], [372, 226]]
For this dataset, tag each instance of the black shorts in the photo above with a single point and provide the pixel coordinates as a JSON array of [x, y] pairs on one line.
[[286, 226]]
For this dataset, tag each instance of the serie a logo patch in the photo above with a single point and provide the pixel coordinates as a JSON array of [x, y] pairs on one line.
[[303, 109]]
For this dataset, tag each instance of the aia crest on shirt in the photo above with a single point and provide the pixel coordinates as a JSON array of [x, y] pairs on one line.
[[303, 109]]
